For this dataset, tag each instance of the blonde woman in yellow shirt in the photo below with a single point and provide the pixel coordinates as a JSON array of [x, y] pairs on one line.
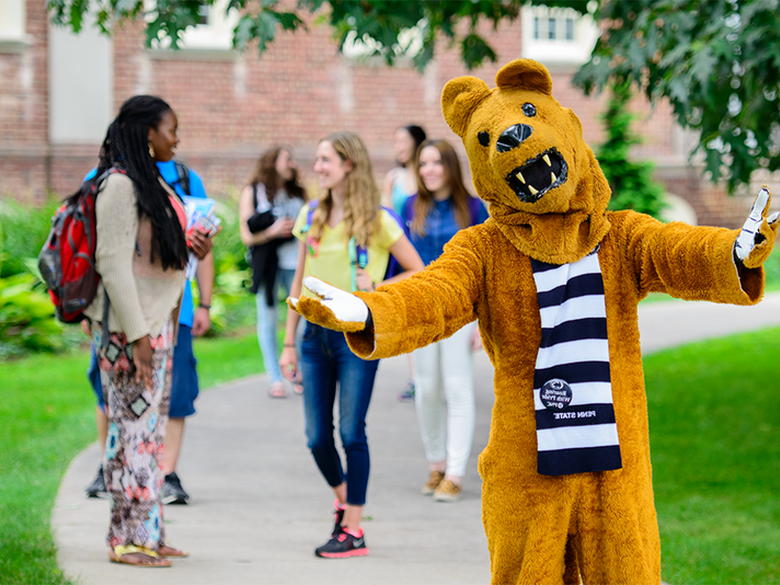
[[336, 234]]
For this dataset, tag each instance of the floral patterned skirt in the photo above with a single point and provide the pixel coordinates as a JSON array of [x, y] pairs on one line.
[[137, 418]]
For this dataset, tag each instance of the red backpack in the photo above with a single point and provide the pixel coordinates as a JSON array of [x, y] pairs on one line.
[[67, 260]]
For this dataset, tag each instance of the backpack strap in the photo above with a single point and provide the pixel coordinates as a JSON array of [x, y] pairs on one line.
[[307, 226], [106, 301], [105, 334], [183, 174], [97, 183], [312, 245], [361, 253]]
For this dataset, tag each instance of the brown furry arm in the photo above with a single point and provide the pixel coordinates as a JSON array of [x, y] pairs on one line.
[[429, 306], [687, 262]]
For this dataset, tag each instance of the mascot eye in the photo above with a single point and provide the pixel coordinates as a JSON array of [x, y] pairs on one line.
[[529, 110], [484, 137]]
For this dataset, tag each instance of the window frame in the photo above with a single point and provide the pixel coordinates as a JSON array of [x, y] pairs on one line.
[[547, 35], [13, 26]]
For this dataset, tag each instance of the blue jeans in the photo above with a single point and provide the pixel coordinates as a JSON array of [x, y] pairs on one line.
[[267, 324], [326, 361]]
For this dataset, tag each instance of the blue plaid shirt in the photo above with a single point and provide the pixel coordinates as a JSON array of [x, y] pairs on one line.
[[440, 227]]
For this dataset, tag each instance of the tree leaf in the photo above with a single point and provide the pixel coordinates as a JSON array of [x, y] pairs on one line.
[[474, 51], [695, 53]]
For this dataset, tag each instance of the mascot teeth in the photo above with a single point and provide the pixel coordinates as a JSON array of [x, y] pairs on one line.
[[538, 176]]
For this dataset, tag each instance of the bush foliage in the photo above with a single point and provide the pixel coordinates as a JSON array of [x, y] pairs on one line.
[[26, 317], [631, 181], [232, 307], [27, 320], [23, 232]]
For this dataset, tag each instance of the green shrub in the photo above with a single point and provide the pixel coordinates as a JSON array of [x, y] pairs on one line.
[[631, 181], [27, 322], [24, 231], [232, 306], [27, 318], [229, 250]]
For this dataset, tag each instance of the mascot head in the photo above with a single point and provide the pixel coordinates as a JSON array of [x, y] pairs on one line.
[[529, 161]]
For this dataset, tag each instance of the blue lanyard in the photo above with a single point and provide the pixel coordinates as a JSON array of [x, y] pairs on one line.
[[358, 257]]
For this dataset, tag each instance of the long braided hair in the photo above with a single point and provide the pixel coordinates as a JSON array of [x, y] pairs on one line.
[[126, 147]]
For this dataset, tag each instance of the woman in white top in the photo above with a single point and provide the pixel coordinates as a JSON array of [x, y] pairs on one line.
[[268, 207]]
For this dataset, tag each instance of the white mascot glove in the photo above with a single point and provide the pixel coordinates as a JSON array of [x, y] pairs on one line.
[[752, 234], [343, 311]]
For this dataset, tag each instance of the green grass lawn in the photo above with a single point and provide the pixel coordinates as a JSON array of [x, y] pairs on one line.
[[47, 416], [715, 446], [714, 420]]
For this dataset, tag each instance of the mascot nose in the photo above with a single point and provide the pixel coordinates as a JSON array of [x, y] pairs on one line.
[[513, 137]]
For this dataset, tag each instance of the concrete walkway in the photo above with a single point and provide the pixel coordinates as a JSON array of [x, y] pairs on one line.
[[259, 506]]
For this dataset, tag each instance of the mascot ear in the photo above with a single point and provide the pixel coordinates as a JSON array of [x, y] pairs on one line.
[[459, 99], [524, 74]]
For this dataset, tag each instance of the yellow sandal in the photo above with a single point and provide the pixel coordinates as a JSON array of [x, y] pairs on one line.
[[119, 552]]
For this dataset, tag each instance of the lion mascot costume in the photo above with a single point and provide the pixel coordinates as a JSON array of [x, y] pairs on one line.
[[554, 279]]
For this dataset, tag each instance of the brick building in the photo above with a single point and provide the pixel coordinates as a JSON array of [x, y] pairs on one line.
[[58, 93]]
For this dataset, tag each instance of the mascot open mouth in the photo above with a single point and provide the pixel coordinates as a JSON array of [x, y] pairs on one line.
[[537, 176]]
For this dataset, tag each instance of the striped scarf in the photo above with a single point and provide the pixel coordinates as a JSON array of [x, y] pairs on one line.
[[575, 419]]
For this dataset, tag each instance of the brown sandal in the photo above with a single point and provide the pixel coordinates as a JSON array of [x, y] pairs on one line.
[[137, 556], [277, 390]]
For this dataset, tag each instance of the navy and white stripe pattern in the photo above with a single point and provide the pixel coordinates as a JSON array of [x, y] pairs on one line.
[[575, 419]]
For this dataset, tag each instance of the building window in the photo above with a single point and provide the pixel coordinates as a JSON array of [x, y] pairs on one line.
[[13, 37], [569, 29], [557, 36], [205, 13]]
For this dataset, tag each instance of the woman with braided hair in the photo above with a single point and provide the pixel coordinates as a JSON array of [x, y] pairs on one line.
[[141, 255]]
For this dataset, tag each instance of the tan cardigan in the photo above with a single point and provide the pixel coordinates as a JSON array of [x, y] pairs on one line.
[[142, 295]]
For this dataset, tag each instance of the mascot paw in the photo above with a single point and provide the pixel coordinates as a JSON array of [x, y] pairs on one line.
[[334, 309], [755, 241]]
